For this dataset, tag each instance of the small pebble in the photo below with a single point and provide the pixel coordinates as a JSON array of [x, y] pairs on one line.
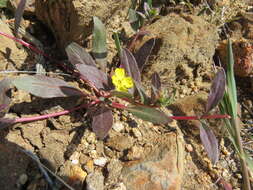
[[135, 153], [95, 181], [89, 166], [74, 162], [93, 154], [76, 174], [91, 138], [101, 161], [137, 133], [189, 148], [74, 156], [118, 126], [238, 176]]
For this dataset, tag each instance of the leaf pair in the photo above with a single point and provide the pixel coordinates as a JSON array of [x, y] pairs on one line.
[[216, 94], [86, 66], [133, 69]]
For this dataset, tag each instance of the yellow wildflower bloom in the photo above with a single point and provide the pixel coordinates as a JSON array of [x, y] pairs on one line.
[[121, 81]]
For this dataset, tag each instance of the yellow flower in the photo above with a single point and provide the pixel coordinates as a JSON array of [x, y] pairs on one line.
[[121, 81]]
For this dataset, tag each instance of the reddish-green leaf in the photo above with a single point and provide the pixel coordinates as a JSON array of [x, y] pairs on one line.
[[143, 53], [97, 77], [46, 87], [5, 100], [102, 121], [149, 114], [217, 90], [19, 14], [124, 95], [78, 55], [210, 142], [128, 62]]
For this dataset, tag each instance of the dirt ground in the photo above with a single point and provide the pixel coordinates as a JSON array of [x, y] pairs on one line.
[[136, 155]]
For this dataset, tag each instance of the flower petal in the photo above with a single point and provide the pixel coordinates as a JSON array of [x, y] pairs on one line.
[[120, 73], [127, 82]]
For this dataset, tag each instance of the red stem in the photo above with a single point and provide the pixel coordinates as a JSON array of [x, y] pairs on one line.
[[46, 116]]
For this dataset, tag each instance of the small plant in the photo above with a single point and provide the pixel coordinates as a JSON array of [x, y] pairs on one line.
[[104, 91], [137, 18]]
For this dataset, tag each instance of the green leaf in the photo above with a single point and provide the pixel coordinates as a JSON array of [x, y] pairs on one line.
[[149, 3], [3, 3], [149, 114], [99, 47], [134, 19], [231, 80]]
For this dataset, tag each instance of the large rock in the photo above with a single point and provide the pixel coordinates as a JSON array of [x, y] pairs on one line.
[[185, 45], [160, 169], [72, 20]]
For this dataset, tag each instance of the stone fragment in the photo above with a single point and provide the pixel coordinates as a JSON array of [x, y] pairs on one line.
[[114, 169], [32, 132], [91, 138], [89, 166], [95, 181], [134, 153], [120, 142], [101, 161], [16, 138], [76, 174], [118, 126], [160, 169], [243, 56], [136, 132], [55, 147], [53, 154]]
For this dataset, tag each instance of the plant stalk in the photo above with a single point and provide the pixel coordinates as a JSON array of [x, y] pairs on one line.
[[56, 114], [245, 172]]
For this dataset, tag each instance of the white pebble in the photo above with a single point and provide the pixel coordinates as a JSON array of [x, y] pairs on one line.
[[75, 162], [118, 126], [101, 161]]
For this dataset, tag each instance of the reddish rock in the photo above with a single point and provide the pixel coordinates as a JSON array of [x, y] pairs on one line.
[[161, 169], [243, 56]]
